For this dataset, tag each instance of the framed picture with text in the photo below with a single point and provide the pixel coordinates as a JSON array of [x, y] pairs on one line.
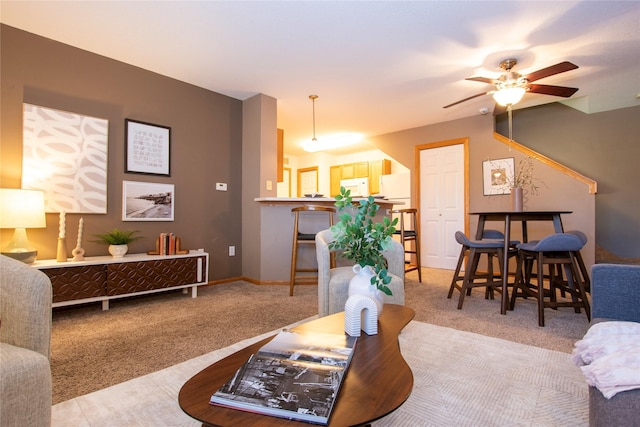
[[147, 148]]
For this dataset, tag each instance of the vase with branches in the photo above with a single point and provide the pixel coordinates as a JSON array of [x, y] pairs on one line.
[[523, 177]]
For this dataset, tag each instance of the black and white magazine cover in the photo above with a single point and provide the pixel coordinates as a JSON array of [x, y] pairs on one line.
[[297, 375]]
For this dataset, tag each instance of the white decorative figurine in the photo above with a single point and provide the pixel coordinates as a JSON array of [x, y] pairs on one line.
[[78, 252], [360, 313]]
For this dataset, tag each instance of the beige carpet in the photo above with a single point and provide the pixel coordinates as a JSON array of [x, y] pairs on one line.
[[94, 349], [460, 378]]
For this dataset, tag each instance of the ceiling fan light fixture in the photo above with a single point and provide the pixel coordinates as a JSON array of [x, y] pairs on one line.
[[509, 95]]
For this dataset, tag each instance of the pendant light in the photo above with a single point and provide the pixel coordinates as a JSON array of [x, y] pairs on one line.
[[328, 141], [313, 102]]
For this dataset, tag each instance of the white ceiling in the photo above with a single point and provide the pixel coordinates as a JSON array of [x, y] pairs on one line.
[[376, 66]]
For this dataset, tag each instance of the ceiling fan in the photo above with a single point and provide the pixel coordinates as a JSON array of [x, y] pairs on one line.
[[510, 87]]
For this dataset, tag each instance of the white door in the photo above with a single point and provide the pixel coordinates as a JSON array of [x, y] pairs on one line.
[[441, 205]]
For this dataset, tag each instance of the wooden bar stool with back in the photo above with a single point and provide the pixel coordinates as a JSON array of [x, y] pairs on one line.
[[410, 238], [308, 238]]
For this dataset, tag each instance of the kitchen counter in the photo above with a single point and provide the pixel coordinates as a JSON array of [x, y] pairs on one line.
[[387, 203], [276, 234]]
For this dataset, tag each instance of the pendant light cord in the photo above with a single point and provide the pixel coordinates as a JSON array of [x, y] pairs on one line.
[[313, 101]]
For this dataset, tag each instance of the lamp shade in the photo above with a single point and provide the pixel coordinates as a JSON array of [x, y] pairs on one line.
[[21, 208], [509, 95]]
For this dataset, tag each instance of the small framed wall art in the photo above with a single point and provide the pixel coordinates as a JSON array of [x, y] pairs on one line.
[[147, 148], [497, 176], [147, 201]]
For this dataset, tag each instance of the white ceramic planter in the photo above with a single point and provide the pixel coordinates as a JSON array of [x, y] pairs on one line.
[[118, 251]]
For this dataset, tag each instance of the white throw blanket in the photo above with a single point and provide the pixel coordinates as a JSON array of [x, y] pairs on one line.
[[609, 356]]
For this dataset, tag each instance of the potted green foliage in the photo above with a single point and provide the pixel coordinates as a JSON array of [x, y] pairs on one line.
[[362, 240], [118, 241]]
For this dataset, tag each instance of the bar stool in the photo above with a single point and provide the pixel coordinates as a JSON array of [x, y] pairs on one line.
[[410, 234], [473, 249], [584, 273], [300, 238], [583, 268], [554, 250]]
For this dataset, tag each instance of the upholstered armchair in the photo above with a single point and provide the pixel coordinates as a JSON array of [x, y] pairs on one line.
[[25, 344], [333, 283]]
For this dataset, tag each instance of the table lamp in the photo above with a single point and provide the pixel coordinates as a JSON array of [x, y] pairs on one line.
[[21, 209]]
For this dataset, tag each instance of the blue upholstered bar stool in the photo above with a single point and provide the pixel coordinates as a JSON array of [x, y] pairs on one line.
[[306, 238], [584, 272], [472, 250], [554, 250]]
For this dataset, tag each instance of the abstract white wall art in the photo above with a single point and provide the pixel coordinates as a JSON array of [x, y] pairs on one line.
[[65, 155]]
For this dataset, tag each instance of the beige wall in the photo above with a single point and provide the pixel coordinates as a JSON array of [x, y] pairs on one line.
[[206, 144], [483, 146]]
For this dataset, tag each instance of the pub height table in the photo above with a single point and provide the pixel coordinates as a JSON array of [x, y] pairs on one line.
[[507, 217]]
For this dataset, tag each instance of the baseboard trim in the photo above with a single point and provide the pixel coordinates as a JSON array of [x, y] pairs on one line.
[[255, 282]]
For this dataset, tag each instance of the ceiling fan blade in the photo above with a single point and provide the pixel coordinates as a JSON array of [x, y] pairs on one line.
[[480, 79], [563, 91], [550, 71], [466, 99]]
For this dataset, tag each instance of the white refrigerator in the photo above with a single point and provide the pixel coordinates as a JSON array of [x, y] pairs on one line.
[[397, 186]]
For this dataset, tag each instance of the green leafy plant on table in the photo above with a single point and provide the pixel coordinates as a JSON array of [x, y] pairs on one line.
[[117, 237], [362, 240]]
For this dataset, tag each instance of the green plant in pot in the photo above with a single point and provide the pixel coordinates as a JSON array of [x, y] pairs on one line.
[[362, 240], [118, 241]]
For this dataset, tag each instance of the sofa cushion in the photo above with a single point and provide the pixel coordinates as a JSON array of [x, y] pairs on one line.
[[25, 381], [621, 410]]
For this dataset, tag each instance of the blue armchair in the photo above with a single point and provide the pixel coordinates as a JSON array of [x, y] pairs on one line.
[[615, 295]]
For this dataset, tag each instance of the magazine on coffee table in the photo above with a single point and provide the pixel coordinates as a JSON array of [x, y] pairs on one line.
[[296, 376]]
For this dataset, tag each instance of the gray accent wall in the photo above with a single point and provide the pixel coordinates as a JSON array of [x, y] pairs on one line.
[[603, 146]]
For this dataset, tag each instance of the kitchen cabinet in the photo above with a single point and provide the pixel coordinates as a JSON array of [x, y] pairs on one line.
[[349, 171], [361, 169], [377, 168], [335, 174]]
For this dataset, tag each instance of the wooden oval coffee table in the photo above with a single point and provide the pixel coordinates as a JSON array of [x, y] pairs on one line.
[[378, 380]]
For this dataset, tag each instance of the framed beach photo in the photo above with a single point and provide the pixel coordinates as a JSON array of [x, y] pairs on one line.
[[147, 148], [147, 201], [497, 176]]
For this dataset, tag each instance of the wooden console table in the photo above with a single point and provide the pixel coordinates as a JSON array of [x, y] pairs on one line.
[[377, 383], [104, 278]]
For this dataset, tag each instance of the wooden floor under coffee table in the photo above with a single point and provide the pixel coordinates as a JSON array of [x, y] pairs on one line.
[[378, 381]]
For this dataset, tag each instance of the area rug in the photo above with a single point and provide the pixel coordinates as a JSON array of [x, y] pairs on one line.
[[460, 378]]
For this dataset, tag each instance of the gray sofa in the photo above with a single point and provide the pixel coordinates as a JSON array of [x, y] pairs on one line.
[[615, 294], [25, 344]]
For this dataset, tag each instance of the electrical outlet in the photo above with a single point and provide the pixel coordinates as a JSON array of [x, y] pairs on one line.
[[221, 186], [232, 251]]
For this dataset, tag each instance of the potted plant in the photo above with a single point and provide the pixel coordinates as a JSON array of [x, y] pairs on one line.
[[118, 241], [362, 240]]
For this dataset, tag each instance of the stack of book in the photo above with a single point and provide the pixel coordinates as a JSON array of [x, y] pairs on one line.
[[167, 244], [295, 376]]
